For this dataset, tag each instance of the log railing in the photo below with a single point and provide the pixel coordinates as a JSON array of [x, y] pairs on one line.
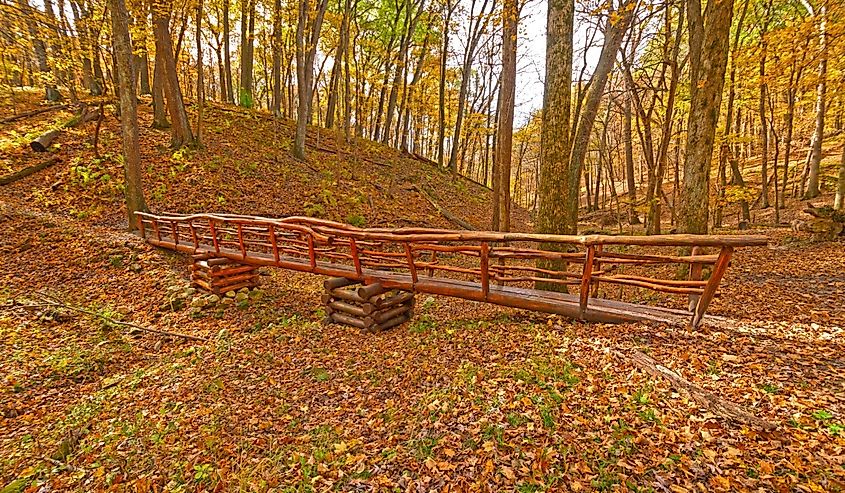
[[500, 268]]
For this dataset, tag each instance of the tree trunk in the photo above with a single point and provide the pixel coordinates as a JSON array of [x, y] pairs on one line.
[[504, 125], [180, 126], [476, 30], [227, 57], [277, 58], [159, 108], [839, 201], [557, 207], [764, 127], [821, 90], [628, 136], [305, 54], [133, 191], [441, 110], [615, 31], [245, 89], [709, 39], [200, 75]]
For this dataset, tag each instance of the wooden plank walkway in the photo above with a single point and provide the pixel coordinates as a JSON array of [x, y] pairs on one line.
[[499, 268]]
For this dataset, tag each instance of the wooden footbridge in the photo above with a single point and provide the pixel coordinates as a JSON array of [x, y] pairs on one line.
[[500, 268]]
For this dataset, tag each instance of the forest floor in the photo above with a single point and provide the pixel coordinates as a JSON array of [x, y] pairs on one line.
[[465, 397]]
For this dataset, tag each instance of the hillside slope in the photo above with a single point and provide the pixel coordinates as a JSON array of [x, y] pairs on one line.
[[245, 166]]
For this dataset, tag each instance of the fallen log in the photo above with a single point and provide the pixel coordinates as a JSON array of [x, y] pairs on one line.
[[43, 142], [444, 212], [29, 170], [703, 397], [21, 116]]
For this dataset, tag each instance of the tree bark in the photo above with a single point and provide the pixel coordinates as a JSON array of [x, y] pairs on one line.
[[159, 108], [277, 58], [181, 133], [227, 57], [504, 125], [133, 191], [709, 39], [821, 93], [839, 201], [200, 74], [477, 28], [245, 89], [444, 55], [305, 54]]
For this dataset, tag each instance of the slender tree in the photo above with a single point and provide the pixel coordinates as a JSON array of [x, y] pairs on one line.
[[181, 133], [307, 35], [821, 103], [245, 96], [133, 191], [504, 127]]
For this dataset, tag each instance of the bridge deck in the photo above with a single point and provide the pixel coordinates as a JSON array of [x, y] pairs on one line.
[[484, 266]]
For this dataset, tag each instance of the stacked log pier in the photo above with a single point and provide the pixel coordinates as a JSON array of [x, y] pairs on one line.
[[370, 308], [221, 275]]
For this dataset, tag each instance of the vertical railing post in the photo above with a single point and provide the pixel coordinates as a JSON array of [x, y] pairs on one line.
[[356, 260], [213, 232], [194, 234], [312, 254], [157, 230], [272, 230], [485, 268], [411, 265], [694, 275], [241, 240], [595, 282], [712, 284], [585, 279], [141, 226], [174, 230]]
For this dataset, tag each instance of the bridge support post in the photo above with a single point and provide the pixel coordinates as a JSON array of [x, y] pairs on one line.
[[220, 275], [370, 308]]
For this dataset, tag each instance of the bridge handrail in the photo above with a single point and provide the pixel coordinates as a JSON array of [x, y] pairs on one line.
[[433, 234], [330, 248]]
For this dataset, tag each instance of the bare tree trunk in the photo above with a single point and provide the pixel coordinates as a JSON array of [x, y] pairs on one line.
[[245, 89], [277, 58], [557, 207], [305, 54], [477, 28], [181, 133], [821, 90], [615, 31], [709, 40], [727, 152], [159, 108], [449, 7], [628, 136], [764, 127], [839, 201], [133, 191], [200, 75], [227, 57], [504, 125]]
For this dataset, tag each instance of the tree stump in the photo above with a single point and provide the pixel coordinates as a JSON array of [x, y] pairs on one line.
[[370, 308]]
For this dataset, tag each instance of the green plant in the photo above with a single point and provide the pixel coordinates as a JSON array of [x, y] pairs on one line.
[[356, 220]]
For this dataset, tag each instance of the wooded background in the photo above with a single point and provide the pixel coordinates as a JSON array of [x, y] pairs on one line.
[[748, 91]]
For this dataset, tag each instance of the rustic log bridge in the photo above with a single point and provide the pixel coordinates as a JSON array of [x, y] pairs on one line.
[[456, 263], [370, 308]]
